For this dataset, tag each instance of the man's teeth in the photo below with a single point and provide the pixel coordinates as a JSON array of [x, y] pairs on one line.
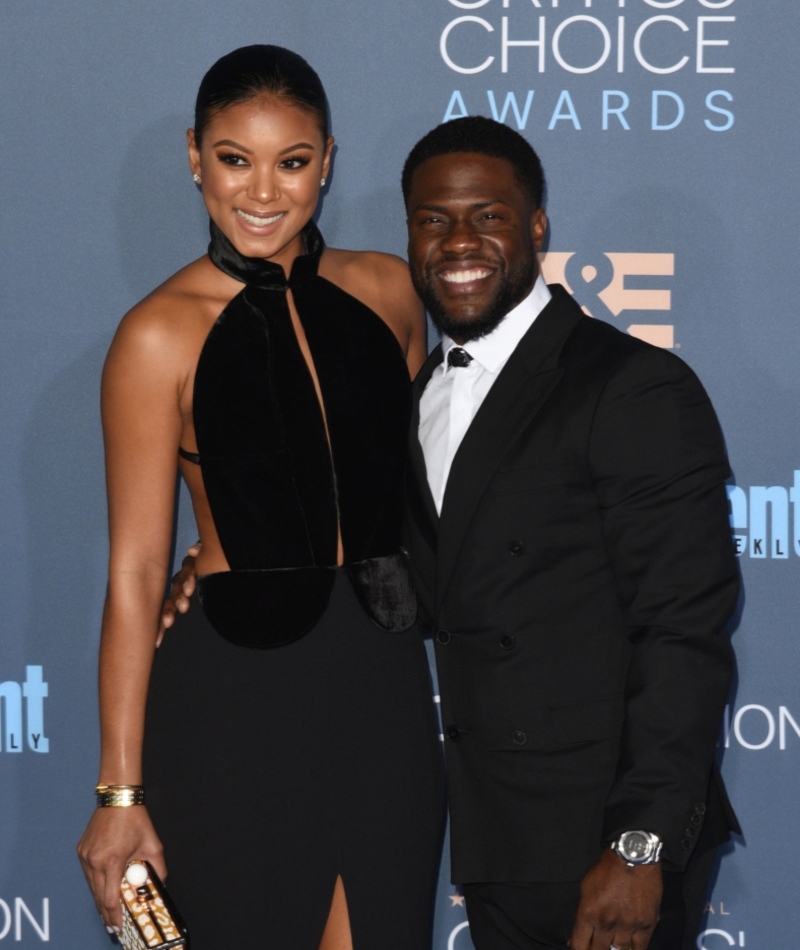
[[258, 222], [465, 276]]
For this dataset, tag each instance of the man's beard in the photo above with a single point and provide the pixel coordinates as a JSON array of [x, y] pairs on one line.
[[512, 287]]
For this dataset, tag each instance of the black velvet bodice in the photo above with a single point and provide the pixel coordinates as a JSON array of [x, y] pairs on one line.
[[279, 486]]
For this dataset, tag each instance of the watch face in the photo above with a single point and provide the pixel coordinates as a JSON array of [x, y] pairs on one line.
[[635, 845]]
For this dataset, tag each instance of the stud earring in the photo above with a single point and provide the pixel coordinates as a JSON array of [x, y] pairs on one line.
[[196, 178], [322, 182]]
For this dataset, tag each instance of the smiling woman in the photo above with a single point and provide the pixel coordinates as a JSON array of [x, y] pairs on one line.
[[260, 155], [278, 370]]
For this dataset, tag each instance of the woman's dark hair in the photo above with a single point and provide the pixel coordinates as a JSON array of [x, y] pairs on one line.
[[476, 133], [260, 70]]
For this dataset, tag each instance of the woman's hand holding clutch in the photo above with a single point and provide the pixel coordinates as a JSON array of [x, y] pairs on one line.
[[114, 837]]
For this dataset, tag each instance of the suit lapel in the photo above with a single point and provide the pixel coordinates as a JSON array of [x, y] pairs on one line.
[[525, 382], [420, 498]]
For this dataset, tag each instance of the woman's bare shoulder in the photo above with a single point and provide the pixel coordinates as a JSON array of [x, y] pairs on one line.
[[170, 317]]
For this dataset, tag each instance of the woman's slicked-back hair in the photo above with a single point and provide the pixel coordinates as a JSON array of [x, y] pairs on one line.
[[260, 70], [476, 133]]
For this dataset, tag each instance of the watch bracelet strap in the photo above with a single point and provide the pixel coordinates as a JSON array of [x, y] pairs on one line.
[[654, 858]]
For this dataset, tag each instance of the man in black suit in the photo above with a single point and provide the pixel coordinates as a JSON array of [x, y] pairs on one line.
[[569, 540]]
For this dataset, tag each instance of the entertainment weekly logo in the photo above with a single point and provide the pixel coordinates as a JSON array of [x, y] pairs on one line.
[[602, 283], [18, 733], [765, 520], [518, 40]]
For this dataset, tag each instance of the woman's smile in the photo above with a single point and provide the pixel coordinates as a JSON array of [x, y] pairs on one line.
[[258, 220], [255, 225]]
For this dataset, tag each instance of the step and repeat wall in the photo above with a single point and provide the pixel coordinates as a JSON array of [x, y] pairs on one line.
[[669, 133]]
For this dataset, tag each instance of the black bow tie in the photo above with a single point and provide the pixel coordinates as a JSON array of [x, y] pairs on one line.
[[458, 357]]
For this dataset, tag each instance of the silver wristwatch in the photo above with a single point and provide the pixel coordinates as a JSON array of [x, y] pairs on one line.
[[638, 847]]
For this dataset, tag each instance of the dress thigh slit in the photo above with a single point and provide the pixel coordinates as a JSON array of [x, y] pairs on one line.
[[271, 772]]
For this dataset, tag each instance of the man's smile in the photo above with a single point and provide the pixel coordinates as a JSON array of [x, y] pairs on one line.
[[464, 276], [468, 276]]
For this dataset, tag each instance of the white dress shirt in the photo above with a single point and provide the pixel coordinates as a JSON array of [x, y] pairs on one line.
[[455, 393]]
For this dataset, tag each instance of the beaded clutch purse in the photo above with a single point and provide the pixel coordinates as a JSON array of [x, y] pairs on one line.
[[149, 918]]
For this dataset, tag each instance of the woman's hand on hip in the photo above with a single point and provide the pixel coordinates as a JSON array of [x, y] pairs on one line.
[[183, 585]]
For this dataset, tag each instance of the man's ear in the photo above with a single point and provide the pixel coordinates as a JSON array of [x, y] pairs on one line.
[[539, 227]]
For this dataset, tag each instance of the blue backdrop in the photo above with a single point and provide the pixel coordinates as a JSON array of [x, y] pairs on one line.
[[669, 133]]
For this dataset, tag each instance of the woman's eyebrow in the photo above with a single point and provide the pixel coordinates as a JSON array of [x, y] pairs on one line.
[[232, 144]]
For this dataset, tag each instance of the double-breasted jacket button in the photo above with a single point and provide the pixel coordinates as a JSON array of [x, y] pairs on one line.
[[453, 733], [517, 548], [519, 737], [507, 641], [443, 636]]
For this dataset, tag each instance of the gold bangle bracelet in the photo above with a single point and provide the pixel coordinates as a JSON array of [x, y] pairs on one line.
[[119, 796]]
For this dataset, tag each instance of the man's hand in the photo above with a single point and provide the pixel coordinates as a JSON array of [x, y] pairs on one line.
[[618, 905], [183, 585]]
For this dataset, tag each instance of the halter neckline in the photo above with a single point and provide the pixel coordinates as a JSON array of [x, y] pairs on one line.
[[257, 272]]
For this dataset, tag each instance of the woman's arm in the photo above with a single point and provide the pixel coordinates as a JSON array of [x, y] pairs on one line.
[[402, 309], [418, 336], [383, 283], [142, 427]]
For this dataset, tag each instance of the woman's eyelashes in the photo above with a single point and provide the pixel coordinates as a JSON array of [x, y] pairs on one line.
[[293, 163], [231, 158]]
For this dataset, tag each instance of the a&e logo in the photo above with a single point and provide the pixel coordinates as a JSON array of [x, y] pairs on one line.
[[602, 285]]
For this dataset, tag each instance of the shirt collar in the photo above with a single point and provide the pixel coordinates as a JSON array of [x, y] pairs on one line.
[[494, 349]]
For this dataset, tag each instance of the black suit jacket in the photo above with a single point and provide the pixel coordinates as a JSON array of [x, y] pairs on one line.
[[578, 583]]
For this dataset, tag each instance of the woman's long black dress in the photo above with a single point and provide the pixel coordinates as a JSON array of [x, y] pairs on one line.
[[291, 735]]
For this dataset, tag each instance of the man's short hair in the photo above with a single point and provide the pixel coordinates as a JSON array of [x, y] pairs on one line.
[[476, 133]]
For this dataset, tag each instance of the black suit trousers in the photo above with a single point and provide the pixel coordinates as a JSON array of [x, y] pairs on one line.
[[540, 916]]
